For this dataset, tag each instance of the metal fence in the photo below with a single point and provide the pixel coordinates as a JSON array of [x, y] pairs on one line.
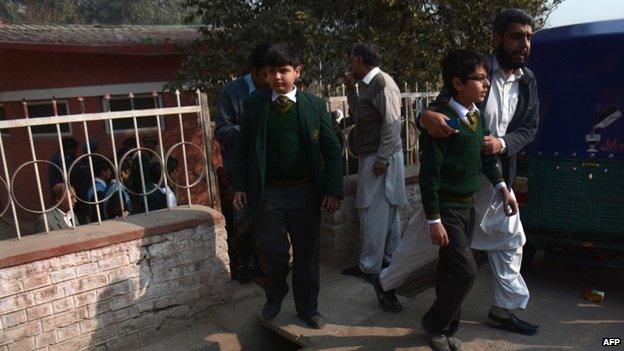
[[412, 103], [136, 154]]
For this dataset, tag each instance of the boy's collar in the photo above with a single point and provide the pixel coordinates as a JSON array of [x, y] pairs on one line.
[[370, 75], [461, 110], [292, 95]]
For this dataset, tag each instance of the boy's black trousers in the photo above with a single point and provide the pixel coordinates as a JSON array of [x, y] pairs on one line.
[[456, 272], [295, 211]]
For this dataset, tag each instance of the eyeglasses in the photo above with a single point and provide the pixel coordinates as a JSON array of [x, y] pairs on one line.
[[480, 79]]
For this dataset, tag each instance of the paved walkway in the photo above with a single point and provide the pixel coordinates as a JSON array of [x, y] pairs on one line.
[[355, 322]]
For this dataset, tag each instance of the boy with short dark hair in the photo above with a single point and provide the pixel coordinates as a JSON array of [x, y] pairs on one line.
[[287, 159], [449, 177]]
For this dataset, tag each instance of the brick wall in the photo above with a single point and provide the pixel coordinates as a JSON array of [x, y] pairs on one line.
[[340, 236], [115, 296]]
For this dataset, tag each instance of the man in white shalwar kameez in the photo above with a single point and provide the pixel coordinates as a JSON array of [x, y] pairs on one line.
[[381, 178], [511, 111]]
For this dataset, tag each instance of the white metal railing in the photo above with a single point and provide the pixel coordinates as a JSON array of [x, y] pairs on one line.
[[136, 154], [412, 103]]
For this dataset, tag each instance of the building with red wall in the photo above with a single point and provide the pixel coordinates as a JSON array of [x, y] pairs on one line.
[[41, 62]]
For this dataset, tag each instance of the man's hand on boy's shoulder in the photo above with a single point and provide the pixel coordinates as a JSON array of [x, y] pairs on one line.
[[438, 234], [331, 203], [380, 167], [435, 124]]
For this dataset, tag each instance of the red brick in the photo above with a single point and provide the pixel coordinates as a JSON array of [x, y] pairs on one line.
[[63, 275], [123, 273], [13, 319], [96, 309], [48, 294], [85, 298], [45, 339], [104, 334], [21, 331], [86, 269], [35, 282], [124, 343], [23, 345], [39, 311], [137, 324], [66, 333], [64, 319], [73, 344], [7, 289], [113, 262], [86, 284], [126, 300], [63, 304], [16, 302]]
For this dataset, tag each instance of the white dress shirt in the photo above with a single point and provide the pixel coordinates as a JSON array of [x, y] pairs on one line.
[[503, 100], [292, 95]]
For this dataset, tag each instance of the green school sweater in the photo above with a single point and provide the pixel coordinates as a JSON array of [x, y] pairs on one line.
[[451, 167], [286, 160]]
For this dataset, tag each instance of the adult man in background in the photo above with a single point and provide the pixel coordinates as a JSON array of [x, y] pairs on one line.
[[228, 120], [61, 217], [511, 112], [381, 175]]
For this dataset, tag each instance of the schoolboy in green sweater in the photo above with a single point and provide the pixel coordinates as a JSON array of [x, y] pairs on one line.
[[449, 177]]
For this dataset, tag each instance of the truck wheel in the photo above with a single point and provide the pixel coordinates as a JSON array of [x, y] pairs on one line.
[[528, 254]]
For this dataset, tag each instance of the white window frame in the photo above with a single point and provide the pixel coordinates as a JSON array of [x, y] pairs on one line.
[[53, 134], [106, 107]]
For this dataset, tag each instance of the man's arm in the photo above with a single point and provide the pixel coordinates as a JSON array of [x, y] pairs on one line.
[[522, 136], [241, 153], [388, 103], [332, 156], [433, 122], [226, 129]]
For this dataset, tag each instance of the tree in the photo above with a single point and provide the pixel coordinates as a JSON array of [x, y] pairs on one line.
[[411, 35], [93, 11]]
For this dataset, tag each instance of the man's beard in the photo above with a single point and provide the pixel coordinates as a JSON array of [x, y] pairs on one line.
[[505, 59]]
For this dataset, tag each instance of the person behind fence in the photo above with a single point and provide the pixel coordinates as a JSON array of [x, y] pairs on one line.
[[228, 121], [288, 165], [450, 176], [511, 111], [103, 175], [114, 188], [61, 217], [381, 175], [81, 181], [156, 199], [70, 150]]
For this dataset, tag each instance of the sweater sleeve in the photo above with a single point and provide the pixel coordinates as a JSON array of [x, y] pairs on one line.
[[241, 153], [430, 176], [226, 119], [388, 103]]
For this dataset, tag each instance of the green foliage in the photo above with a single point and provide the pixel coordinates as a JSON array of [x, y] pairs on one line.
[[411, 35], [93, 11]]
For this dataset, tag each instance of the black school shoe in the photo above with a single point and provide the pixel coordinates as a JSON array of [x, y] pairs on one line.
[[273, 306], [437, 341], [512, 324], [315, 321], [355, 271], [387, 299]]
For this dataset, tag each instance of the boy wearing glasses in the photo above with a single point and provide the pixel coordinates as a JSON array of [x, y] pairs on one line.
[[449, 178]]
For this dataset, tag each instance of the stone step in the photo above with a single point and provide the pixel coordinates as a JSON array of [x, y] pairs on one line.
[[345, 302]]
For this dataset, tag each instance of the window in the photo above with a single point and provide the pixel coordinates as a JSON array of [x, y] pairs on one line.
[[141, 102], [44, 109]]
